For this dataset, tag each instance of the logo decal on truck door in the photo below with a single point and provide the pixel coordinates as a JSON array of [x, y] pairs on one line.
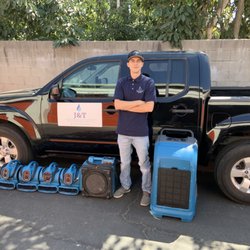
[[79, 114]]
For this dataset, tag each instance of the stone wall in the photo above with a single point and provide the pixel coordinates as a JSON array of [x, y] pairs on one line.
[[28, 64]]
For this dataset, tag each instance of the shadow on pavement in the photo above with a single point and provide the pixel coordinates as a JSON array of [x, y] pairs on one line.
[[54, 221]]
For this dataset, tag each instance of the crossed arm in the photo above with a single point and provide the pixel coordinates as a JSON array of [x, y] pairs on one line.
[[134, 106]]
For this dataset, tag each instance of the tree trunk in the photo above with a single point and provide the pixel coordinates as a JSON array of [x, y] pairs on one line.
[[118, 4], [221, 6], [238, 17]]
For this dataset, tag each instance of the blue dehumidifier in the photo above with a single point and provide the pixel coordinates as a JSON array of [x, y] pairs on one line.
[[174, 188], [98, 177]]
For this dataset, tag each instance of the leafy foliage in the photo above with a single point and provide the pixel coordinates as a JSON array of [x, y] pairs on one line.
[[68, 21], [175, 21]]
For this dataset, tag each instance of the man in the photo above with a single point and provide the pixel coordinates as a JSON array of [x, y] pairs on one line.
[[134, 98]]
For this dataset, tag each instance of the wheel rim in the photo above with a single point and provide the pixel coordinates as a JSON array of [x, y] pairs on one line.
[[8, 150], [240, 175]]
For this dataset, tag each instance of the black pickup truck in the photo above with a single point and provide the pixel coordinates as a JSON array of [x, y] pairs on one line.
[[74, 113]]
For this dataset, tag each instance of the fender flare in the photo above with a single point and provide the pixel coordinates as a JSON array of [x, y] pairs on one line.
[[21, 120]]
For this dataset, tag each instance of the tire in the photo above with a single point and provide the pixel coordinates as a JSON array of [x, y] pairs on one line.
[[232, 170], [13, 146]]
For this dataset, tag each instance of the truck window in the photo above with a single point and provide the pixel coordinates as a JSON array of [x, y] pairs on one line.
[[93, 80], [169, 75]]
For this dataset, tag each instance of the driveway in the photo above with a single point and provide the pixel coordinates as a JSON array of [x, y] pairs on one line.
[[54, 221]]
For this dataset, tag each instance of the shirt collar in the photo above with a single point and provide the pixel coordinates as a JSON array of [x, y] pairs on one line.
[[136, 79]]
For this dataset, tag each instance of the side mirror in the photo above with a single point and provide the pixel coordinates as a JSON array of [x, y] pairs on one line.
[[55, 93]]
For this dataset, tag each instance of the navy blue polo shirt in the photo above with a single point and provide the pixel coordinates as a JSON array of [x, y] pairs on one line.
[[128, 89]]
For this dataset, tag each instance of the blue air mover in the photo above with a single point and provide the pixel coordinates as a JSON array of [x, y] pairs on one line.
[[174, 190], [69, 180], [28, 177], [8, 175], [98, 177], [49, 178]]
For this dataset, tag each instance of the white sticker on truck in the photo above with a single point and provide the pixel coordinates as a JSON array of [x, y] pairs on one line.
[[79, 114]]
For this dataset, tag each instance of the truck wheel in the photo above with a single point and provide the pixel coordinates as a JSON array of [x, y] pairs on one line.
[[233, 172], [13, 146]]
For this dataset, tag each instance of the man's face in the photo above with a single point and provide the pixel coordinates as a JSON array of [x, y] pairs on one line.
[[135, 65]]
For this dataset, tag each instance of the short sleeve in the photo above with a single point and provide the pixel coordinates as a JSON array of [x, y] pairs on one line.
[[118, 90], [150, 94]]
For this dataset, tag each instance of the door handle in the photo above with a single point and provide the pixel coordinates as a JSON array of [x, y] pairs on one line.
[[110, 110], [182, 111]]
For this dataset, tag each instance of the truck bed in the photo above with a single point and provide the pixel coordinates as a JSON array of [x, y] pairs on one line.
[[230, 91]]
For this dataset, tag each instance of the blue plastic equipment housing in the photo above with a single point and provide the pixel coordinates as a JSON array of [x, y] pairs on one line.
[[9, 174], [174, 188], [70, 180], [28, 177], [49, 178]]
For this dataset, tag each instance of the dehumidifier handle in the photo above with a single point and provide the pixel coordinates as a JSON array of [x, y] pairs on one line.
[[177, 130]]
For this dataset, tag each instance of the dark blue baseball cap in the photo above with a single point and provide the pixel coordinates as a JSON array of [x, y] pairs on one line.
[[135, 53]]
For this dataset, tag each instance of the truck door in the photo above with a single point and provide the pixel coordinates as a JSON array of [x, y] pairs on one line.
[[177, 89], [84, 114]]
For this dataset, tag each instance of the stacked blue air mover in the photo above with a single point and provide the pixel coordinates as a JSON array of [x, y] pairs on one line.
[[8, 175], [96, 177], [32, 177], [174, 190]]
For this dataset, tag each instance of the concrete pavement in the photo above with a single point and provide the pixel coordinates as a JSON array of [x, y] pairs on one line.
[[55, 221]]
